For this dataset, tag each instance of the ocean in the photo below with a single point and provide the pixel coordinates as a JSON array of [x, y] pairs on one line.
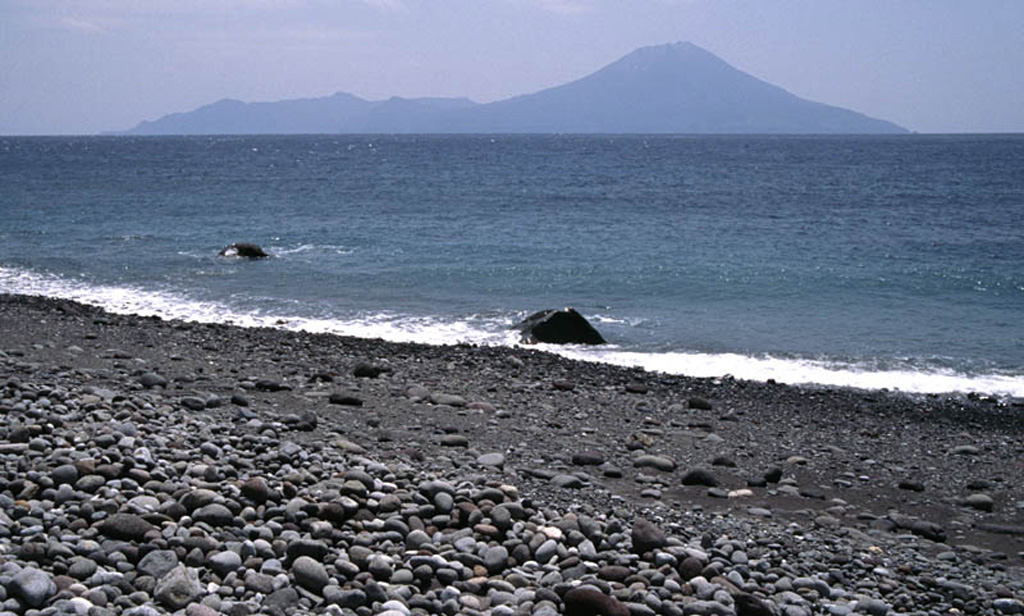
[[872, 262]]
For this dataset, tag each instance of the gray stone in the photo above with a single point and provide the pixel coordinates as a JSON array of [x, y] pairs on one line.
[[223, 563], [647, 536], [284, 598], [198, 609], [177, 589], [981, 502], [351, 599], [707, 608], [310, 574], [454, 440], [567, 481], [193, 403], [90, 483], [380, 567], [214, 514], [1008, 606], [874, 607], [416, 538], [491, 459], [589, 601], [546, 551], [82, 568], [158, 563], [699, 477], [152, 379], [819, 586], [317, 550], [448, 400], [32, 587], [195, 499], [259, 582], [660, 463], [588, 458], [64, 474], [125, 526], [495, 559]]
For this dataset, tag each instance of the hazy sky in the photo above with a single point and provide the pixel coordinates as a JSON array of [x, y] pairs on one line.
[[85, 66]]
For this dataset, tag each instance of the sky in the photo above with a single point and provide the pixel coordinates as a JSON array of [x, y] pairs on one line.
[[88, 66]]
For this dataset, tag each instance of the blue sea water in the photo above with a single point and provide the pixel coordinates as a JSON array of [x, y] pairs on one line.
[[877, 262]]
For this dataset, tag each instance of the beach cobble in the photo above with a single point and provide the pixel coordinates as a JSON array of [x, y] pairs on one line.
[[127, 491]]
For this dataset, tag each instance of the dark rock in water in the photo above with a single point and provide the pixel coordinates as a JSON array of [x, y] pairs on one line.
[[647, 536], [588, 601], [244, 249], [773, 475], [559, 327]]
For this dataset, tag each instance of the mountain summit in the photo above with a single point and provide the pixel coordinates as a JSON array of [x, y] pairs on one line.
[[676, 88]]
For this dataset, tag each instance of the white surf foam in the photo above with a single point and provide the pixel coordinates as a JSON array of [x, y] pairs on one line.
[[313, 248], [805, 371], [493, 330], [476, 329]]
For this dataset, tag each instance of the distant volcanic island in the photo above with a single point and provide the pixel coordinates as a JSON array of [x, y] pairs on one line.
[[669, 89]]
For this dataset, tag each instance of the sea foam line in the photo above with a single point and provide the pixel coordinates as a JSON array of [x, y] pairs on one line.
[[805, 371], [168, 305], [490, 331]]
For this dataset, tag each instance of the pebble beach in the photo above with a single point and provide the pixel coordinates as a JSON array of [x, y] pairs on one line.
[[152, 467]]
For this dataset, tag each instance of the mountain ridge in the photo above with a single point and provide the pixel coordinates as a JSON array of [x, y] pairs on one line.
[[673, 88]]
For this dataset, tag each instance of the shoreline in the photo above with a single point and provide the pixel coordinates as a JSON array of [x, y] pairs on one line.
[[858, 467], [895, 375]]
